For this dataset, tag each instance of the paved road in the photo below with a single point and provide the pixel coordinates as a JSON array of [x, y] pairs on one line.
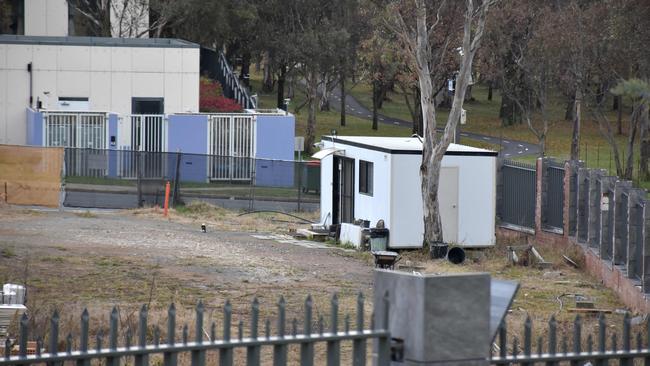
[[123, 200], [510, 148]]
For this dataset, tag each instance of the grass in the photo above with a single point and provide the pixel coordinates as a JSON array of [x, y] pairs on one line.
[[325, 121], [539, 288], [483, 117], [221, 219], [7, 252]]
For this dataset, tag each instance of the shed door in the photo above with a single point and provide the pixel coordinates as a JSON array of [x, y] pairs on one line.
[[448, 196], [343, 190]]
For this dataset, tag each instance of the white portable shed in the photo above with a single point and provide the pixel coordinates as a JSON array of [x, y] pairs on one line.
[[373, 178]]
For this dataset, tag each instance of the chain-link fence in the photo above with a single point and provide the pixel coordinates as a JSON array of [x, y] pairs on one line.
[[128, 179]]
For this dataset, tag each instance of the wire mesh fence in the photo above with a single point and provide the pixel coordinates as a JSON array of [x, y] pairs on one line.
[[128, 179]]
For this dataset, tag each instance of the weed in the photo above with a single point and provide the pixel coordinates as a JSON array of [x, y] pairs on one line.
[[53, 259], [87, 214], [7, 252]]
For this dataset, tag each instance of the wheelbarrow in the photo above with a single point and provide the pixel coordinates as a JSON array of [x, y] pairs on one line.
[[385, 259]]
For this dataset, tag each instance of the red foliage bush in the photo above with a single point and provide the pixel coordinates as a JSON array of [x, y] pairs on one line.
[[211, 98]]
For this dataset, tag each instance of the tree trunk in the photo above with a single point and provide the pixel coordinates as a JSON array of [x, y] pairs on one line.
[[376, 100], [418, 122], [324, 101], [246, 69], [629, 158], [615, 103], [508, 112], [569, 113], [468, 95], [280, 94], [291, 90], [619, 117], [312, 94], [343, 97], [644, 142], [267, 80], [575, 133], [489, 96]]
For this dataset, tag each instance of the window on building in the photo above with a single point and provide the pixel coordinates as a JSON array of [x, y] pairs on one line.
[[365, 177], [12, 17]]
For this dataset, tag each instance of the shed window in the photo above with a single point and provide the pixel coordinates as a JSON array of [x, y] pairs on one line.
[[365, 177]]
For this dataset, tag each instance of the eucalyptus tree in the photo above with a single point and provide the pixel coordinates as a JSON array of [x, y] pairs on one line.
[[428, 30]]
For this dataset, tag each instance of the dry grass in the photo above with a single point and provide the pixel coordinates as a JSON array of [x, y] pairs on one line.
[[218, 218], [69, 278], [540, 289]]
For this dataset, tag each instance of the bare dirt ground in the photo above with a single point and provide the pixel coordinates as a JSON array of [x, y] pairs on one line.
[[71, 260]]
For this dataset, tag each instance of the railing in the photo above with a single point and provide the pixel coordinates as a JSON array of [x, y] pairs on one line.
[[232, 85], [555, 352], [518, 190], [75, 129], [145, 132], [150, 343], [553, 212]]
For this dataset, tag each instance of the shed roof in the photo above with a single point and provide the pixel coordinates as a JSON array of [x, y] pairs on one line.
[[403, 145], [97, 41]]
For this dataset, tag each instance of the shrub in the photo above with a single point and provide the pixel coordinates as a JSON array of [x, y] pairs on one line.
[[211, 98]]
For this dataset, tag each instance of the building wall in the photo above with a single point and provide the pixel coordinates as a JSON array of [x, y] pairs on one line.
[[34, 127], [406, 228], [108, 76], [366, 207], [275, 140], [476, 200], [187, 133], [46, 18]]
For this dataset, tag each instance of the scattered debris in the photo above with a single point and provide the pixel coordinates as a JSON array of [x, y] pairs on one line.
[[552, 274], [570, 261], [585, 304], [640, 319], [313, 234], [589, 311], [286, 239], [527, 256], [385, 259]]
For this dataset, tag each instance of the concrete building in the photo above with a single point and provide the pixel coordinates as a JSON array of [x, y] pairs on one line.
[[373, 178], [121, 75], [44, 64]]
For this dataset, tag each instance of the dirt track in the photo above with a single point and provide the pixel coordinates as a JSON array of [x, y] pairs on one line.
[[103, 259]]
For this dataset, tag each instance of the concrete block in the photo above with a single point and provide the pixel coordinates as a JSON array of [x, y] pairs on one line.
[[442, 319]]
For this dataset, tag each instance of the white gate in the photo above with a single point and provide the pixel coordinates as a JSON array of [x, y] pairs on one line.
[[231, 145], [143, 143], [80, 130]]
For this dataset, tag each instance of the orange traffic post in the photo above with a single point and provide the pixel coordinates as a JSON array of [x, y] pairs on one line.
[[166, 208]]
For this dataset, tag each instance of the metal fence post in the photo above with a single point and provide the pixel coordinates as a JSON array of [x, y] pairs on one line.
[[620, 203], [645, 280], [177, 179], [300, 167], [139, 175]]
